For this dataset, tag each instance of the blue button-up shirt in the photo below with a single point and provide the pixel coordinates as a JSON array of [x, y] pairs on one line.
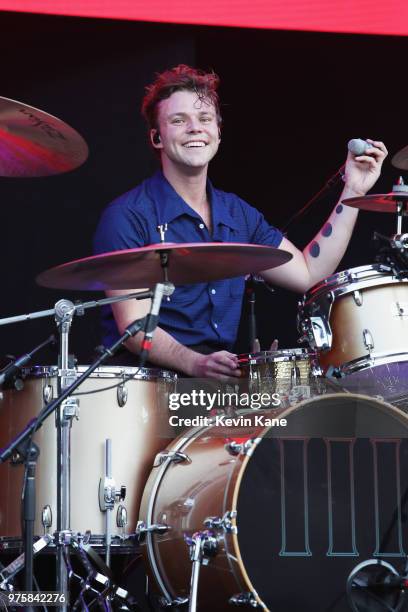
[[203, 313]]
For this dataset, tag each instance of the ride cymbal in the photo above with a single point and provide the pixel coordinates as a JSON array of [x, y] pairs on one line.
[[142, 267], [34, 143]]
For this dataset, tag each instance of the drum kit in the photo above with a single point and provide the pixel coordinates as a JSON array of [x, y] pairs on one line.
[[236, 517]]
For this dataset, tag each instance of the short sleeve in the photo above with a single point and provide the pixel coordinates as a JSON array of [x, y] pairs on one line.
[[119, 228], [260, 231]]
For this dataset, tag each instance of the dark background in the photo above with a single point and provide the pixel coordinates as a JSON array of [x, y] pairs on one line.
[[291, 101]]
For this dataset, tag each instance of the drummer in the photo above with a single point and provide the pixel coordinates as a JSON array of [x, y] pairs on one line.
[[199, 323]]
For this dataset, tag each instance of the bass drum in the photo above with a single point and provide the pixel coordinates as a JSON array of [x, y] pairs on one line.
[[294, 510]]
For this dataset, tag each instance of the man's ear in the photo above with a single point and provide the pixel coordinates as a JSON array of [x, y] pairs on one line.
[[155, 139]]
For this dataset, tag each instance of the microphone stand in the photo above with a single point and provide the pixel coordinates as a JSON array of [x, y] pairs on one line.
[[328, 185]]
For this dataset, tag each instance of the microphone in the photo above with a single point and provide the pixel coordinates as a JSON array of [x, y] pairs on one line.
[[16, 366], [152, 319], [357, 146]]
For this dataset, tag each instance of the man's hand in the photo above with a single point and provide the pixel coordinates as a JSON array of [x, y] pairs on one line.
[[221, 365], [362, 171]]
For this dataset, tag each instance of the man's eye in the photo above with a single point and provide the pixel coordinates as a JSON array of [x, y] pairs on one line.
[[177, 121], [206, 119]]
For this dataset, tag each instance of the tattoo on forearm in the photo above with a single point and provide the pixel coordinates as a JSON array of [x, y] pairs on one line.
[[314, 249], [339, 208], [327, 230]]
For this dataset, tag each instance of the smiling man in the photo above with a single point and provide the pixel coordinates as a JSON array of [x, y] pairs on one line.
[[199, 323]]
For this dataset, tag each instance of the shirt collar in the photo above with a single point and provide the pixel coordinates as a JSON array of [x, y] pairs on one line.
[[170, 205]]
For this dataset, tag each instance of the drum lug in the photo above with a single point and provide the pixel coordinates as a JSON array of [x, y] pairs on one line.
[[244, 599], [122, 395], [224, 523], [237, 448], [46, 517], [174, 456], [48, 394], [358, 298], [368, 340], [142, 529], [318, 332]]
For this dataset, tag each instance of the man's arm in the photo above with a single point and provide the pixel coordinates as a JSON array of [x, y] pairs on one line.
[[323, 254], [166, 351]]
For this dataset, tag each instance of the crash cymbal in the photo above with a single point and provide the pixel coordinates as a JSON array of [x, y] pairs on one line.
[[382, 202], [34, 143], [400, 159], [195, 262]]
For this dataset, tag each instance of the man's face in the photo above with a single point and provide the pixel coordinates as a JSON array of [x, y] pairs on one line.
[[189, 134]]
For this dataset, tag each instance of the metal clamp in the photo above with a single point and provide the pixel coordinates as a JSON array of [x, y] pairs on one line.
[[108, 494], [237, 448], [70, 409], [244, 599], [224, 523], [142, 529], [174, 456]]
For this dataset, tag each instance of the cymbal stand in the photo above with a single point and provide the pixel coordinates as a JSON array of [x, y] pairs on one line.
[[400, 187], [64, 312]]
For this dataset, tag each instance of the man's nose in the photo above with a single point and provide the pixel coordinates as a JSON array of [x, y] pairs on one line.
[[194, 125]]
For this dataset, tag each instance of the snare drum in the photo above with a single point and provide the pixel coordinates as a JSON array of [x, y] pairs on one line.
[[357, 320], [289, 373], [126, 405], [289, 512]]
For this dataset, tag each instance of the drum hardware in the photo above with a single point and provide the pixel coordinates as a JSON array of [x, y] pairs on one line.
[[46, 518], [240, 448], [379, 582], [122, 518], [170, 456], [162, 229], [122, 395], [10, 571], [358, 298], [244, 599], [108, 496], [142, 529], [202, 546], [368, 340], [224, 524]]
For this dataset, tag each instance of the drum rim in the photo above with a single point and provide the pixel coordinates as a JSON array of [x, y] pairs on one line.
[[263, 357], [130, 373], [337, 283]]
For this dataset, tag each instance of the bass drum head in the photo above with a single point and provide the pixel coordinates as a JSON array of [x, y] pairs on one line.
[[326, 495]]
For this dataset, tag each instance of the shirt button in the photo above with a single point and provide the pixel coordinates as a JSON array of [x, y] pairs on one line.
[[213, 291], [201, 226], [215, 325]]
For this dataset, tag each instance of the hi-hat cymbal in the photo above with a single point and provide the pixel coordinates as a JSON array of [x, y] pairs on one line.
[[195, 262], [34, 143], [382, 202], [400, 159]]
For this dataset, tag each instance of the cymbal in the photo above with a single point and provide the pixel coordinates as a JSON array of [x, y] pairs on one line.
[[34, 143], [382, 202], [195, 262], [400, 159]]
